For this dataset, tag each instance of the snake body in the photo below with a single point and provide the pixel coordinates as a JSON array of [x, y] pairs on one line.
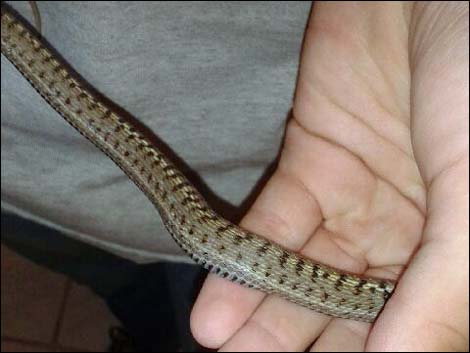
[[215, 243]]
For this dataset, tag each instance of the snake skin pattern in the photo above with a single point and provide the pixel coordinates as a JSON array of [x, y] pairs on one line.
[[215, 243]]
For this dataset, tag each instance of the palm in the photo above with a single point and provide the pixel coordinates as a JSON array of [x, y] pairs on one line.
[[347, 191]]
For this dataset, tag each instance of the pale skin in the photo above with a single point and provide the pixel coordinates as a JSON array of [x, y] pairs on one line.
[[373, 179]]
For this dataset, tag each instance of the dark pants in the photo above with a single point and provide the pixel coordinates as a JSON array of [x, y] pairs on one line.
[[152, 301]]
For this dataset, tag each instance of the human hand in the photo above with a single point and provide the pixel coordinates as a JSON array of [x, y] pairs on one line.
[[378, 143]]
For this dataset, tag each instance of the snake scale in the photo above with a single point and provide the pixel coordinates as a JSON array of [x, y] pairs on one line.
[[210, 240]]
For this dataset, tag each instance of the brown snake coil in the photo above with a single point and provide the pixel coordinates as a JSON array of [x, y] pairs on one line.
[[215, 243]]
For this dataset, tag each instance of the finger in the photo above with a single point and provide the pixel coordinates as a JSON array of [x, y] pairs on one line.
[[429, 309], [342, 336], [277, 325], [219, 309], [285, 212]]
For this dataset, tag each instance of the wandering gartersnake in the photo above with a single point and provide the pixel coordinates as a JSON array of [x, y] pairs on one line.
[[215, 243]]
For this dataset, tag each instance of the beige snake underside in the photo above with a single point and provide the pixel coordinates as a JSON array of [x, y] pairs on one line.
[[215, 243]]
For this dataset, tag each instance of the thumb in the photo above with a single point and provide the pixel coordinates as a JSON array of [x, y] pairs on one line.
[[429, 310]]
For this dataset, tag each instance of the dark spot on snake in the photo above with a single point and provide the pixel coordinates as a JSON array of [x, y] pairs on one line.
[[180, 186], [186, 200], [126, 153], [359, 286], [203, 219], [361, 283], [299, 267], [372, 290], [283, 258], [264, 248], [106, 114], [237, 239], [339, 282], [242, 282], [223, 229], [175, 175], [67, 100]]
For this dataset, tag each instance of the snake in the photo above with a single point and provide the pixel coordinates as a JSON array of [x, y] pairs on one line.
[[220, 246]]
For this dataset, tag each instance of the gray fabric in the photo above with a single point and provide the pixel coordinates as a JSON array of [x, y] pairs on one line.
[[213, 80]]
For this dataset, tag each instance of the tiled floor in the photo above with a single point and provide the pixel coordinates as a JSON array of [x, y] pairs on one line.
[[44, 311]]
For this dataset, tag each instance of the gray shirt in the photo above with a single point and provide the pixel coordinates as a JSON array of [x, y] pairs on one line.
[[213, 80]]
